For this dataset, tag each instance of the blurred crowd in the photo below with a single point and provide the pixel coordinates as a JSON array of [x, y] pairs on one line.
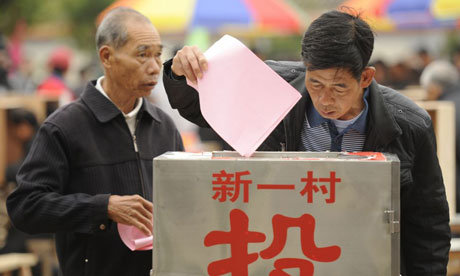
[[407, 72]]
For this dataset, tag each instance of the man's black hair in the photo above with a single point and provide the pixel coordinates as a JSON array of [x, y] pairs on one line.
[[59, 71], [21, 115], [338, 40]]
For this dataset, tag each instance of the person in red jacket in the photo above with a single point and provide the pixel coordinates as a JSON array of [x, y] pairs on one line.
[[54, 86]]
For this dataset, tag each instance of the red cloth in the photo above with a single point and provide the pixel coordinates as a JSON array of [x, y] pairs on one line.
[[54, 87]]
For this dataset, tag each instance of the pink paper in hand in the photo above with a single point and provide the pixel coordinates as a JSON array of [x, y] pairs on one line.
[[133, 238], [242, 98]]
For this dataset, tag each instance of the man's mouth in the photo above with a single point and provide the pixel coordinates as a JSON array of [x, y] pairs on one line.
[[327, 112], [150, 84]]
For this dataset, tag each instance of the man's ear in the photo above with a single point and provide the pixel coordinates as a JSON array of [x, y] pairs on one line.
[[433, 92], [367, 76], [106, 56]]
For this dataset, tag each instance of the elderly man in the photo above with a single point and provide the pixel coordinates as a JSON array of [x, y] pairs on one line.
[[90, 166], [344, 109], [441, 80]]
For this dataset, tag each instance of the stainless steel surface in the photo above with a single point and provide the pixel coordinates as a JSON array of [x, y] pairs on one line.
[[185, 211]]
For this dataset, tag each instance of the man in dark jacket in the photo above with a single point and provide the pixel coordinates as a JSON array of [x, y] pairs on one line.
[[343, 109], [90, 166]]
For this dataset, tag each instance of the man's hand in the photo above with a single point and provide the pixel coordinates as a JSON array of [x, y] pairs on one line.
[[189, 62], [132, 210]]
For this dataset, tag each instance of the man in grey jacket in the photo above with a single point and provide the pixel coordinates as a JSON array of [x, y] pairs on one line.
[[343, 109]]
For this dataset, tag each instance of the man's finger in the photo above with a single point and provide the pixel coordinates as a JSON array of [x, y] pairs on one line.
[[143, 207], [195, 66], [203, 62], [137, 219], [145, 213], [188, 72], [176, 66], [148, 205], [148, 223], [143, 228]]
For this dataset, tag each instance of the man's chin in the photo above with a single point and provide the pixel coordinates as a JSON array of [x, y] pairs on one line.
[[145, 92]]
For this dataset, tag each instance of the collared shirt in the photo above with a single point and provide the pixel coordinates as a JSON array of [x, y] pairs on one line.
[[131, 116], [321, 134], [81, 155]]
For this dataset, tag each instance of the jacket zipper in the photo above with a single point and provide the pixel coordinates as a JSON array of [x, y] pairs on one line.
[[285, 144], [136, 149]]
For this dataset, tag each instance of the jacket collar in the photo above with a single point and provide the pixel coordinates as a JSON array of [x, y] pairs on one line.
[[382, 126], [105, 110], [296, 116]]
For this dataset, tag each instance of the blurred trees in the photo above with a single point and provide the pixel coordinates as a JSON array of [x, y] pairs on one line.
[[82, 15], [78, 16]]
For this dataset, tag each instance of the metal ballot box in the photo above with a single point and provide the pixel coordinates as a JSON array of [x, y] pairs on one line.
[[300, 213]]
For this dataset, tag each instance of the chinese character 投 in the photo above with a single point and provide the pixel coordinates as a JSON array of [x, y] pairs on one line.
[[239, 237]]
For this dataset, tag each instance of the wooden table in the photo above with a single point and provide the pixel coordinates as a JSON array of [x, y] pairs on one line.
[[17, 261]]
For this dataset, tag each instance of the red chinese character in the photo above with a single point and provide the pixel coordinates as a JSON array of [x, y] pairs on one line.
[[306, 223], [225, 186], [238, 237], [332, 180], [222, 187], [311, 187], [305, 267], [275, 186]]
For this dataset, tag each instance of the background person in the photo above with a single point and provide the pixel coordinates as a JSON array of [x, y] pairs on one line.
[[55, 86], [441, 79]]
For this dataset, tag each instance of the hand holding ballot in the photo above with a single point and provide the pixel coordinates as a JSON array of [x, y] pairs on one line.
[[132, 210], [230, 102], [190, 62]]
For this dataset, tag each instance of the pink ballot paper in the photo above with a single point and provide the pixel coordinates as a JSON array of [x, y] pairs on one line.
[[133, 238], [242, 98]]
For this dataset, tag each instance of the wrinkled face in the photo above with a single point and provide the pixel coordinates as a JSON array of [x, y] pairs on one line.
[[335, 93], [136, 65]]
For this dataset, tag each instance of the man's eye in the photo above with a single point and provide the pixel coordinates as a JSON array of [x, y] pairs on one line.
[[142, 55], [317, 85], [340, 91]]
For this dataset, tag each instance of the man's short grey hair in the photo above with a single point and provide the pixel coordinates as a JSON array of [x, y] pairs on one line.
[[112, 30], [440, 72]]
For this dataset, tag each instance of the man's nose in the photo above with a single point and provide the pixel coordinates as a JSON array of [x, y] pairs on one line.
[[153, 67], [326, 98]]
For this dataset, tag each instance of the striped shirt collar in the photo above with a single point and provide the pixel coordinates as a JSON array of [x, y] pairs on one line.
[[314, 119]]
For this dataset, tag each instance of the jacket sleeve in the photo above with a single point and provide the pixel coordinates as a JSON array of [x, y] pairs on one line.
[[425, 231], [182, 97], [179, 143], [39, 205]]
